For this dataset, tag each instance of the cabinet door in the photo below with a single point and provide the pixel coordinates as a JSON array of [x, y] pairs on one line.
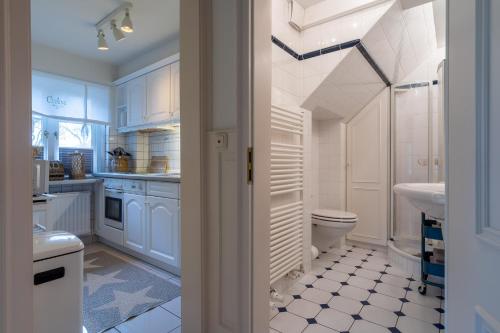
[[163, 230], [135, 222], [121, 105], [136, 96], [175, 91], [158, 95]]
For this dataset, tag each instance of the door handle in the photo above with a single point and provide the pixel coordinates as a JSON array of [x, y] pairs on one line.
[[50, 275]]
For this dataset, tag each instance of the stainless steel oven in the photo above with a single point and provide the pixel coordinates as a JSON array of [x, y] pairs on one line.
[[113, 208]]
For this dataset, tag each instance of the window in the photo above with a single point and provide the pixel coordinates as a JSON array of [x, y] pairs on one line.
[[37, 136], [75, 135]]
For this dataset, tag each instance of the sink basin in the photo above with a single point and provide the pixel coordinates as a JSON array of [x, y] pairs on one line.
[[429, 198]]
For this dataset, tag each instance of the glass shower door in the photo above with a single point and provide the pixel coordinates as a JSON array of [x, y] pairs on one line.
[[414, 129]]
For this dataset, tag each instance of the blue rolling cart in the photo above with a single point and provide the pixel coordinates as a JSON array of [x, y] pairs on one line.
[[430, 229]]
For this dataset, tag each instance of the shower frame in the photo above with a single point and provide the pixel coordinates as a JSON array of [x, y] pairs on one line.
[[392, 137]]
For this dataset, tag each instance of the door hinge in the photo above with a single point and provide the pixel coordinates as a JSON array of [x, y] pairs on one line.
[[249, 165]]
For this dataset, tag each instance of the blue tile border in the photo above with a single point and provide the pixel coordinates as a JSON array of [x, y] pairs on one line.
[[334, 48], [372, 63]]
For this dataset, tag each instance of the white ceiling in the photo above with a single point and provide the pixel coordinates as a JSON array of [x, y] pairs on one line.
[[69, 25]]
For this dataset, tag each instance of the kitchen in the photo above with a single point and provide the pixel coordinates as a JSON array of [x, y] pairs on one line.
[[106, 164]]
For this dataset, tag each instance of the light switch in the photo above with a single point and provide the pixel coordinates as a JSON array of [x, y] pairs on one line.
[[221, 140]]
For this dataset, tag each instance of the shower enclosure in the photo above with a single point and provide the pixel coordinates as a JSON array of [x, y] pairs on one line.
[[417, 154]]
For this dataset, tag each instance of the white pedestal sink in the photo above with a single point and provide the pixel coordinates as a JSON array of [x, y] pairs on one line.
[[429, 198]]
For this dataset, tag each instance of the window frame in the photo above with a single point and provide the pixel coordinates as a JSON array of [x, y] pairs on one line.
[[50, 142]]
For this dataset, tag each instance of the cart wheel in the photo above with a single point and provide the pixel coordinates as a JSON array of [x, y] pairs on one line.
[[422, 289]]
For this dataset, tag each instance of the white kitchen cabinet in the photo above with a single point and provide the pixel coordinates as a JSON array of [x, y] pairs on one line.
[[158, 95], [135, 222], [121, 101], [150, 98], [175, 95], [136, 100], [163, 234]]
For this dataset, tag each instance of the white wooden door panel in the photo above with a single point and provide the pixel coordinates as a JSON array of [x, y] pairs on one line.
[[472, 132], [361, 198], [163, 230], [367, 170], [135, 222]]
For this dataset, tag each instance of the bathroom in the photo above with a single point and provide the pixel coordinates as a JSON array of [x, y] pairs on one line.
[[357, 109]]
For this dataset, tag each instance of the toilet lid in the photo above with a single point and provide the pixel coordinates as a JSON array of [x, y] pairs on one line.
[[334, 215]]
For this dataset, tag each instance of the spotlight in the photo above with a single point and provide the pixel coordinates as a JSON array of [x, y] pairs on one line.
[[127, 23], [117, 33], [101, 41]]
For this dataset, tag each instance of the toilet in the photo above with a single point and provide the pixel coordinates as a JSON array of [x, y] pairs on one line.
[[330, 226]]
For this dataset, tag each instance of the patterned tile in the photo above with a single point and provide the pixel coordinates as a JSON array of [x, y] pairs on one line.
[[356, 290], [335, 319]]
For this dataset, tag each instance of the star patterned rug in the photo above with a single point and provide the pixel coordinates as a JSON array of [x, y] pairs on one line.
[[115, 290]]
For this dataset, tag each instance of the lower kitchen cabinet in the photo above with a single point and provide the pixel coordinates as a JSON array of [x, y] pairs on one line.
[[134, 210], [162, 227], [152, 227]]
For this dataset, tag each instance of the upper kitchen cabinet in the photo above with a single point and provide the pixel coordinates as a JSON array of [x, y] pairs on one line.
[[149, 97], [136, 100], [158, 107], [175, 86]]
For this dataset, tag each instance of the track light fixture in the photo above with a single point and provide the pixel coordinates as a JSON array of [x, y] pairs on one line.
[[111, 18], [127, 25], [101, 41], [117, 33]]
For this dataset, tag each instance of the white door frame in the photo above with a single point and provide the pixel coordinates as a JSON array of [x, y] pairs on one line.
[[193, 86], [16, 252]]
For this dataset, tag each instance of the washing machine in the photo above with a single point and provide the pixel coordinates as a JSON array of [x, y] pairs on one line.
[[58, 282]]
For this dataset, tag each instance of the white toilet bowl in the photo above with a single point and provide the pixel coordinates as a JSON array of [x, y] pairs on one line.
[[330, 226]]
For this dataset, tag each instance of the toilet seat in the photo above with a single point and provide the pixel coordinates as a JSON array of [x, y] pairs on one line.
[[325, 216]]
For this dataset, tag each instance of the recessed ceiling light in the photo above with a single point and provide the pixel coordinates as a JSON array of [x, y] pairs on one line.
[[101, 41], [127, 25], [117, 33]]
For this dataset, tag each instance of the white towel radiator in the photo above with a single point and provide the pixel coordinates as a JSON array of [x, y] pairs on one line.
[[287, 186]]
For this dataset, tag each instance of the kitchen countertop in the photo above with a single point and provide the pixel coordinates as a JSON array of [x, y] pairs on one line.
[[67, 181], [172, 178]]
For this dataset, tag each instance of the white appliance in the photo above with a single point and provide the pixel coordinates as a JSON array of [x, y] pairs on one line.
[[58, 282], [113, 207], [40, 177]]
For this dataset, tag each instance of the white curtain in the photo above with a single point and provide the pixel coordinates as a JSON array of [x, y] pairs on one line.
[[64, 98]]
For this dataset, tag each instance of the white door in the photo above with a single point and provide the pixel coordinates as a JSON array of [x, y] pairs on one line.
[[473, 167], [367, 170], [175, 95], [163, 230], [136, 92], [158, 95], [135, 222]]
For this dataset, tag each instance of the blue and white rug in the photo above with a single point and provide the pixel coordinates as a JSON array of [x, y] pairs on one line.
[[115, 290]]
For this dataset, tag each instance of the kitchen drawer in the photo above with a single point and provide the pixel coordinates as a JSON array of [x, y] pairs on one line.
[[113, 183], [163, 189], [134, 186]]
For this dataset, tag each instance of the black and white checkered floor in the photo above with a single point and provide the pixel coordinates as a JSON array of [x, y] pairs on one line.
[[355, 290]]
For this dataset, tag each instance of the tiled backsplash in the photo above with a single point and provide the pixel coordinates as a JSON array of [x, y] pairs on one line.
[[144, 145]]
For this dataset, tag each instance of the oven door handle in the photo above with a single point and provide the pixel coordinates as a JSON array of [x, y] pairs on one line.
[[114, 191]]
